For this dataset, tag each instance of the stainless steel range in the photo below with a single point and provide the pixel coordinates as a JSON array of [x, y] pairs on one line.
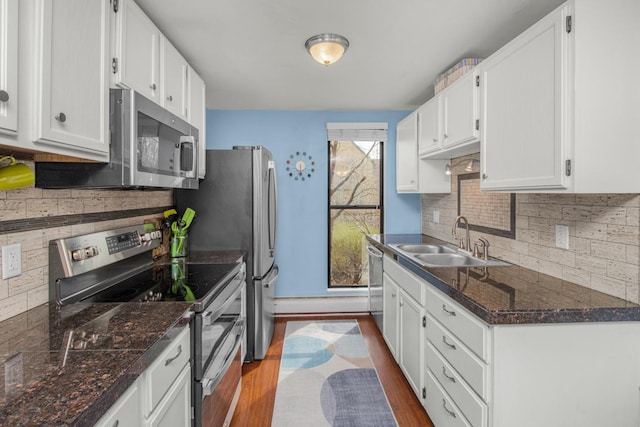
[[116, 266]]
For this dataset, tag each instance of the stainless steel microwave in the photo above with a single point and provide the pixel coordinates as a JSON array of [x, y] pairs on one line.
[[149, 147]]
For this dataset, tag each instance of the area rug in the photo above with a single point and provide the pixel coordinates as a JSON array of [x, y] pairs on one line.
[[328, 379]]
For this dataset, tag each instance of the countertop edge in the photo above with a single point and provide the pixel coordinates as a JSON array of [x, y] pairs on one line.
[[510, 317]]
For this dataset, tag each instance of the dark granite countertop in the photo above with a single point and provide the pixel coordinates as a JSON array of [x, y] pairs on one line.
[[513, 294], [44, 385]]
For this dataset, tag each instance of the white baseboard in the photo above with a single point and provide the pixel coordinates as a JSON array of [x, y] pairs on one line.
[[322, 304]]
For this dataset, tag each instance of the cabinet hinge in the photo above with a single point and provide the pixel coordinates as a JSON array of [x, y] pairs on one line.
[[424, 393], [567, 167], [114, 65], [568, 23], [424, 321], [478, 81], [115, 6]]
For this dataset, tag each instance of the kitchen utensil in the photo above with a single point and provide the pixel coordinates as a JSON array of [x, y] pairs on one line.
[[186, 220], [15, 175]]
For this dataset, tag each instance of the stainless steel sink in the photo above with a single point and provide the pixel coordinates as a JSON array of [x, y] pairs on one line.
[[423, 248], [443, 256]]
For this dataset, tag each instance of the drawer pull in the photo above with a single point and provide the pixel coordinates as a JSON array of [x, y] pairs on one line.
[[444, 372], [444, 405], [451, 346], [168, 361], [444, 308]]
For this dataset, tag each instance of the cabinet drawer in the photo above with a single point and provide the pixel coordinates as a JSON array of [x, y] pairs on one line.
[[412, 285], [474, 409], [471, 331], [165, 369], [472, 369], [442, 411]]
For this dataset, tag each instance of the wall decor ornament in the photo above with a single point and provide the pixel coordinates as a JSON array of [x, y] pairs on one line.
[[300, 166]]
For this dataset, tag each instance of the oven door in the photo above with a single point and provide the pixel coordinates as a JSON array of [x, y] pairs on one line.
[[218, 320]]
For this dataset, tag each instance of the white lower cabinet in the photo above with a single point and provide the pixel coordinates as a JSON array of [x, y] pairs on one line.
[[161, 396], [583, 374], [126, 411], [408, 318]]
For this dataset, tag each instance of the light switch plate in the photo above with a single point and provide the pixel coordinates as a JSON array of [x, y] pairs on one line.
[[436, 217], [11, 260], [562, 236]]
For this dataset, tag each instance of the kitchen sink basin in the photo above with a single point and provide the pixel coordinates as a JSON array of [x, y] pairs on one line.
[[443, 256], [418, 248]]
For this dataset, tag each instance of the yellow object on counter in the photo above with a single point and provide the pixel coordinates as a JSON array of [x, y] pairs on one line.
[[15, 175]]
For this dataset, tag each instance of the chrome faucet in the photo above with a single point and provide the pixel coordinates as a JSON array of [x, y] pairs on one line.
[[467, 243], [485, 248]]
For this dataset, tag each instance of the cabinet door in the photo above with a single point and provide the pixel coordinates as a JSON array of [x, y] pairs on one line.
[[412, 336], [175, 409], [523, 99], [407, 155], [460, 106], [126, 411], [72, 90], [137, 51], [429, 126], [9, 65], [390, 299], [198, 117], [175, 70]]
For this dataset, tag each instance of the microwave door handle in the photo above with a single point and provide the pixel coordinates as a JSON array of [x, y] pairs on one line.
[[188, 144]]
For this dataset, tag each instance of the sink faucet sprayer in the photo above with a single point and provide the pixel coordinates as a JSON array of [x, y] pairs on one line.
[[467, 244]]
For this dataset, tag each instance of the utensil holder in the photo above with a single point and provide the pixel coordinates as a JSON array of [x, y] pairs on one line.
[[179, 246]]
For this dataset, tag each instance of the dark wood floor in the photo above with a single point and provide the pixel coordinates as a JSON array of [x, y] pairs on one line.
[[259, 379]]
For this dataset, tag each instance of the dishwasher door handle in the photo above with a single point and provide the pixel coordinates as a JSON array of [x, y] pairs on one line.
[[374, 252]]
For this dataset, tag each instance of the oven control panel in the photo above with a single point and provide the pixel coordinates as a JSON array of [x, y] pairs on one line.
[[80, 254]]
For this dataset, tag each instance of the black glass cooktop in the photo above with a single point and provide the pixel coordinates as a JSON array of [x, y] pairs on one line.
[[171, 282]]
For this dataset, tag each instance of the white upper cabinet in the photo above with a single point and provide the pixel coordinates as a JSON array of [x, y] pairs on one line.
[[173, 79], [136, 51], [524, 128], [449, 122], [198, 117], [429, 140], [407, 155], [415, 175], [559, 110], [461, 116], [9, 66], [71, 90]]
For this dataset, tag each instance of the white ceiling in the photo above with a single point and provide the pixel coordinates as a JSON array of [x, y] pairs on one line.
[[251, 53]]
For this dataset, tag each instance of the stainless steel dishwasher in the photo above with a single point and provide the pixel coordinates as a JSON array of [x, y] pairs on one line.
[[375, 285]]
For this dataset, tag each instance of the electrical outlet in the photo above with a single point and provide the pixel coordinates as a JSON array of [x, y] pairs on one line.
[[11, 261], [562, 236], [436, 217]]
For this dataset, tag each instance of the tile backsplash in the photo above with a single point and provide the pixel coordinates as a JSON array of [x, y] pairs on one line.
[[604, 237], [21, 207]]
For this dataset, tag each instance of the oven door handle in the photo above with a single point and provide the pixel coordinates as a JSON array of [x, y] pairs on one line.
[[217, 370], [235, 287]]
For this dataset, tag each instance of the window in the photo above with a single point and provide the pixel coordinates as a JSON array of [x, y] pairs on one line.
[[355, 207]]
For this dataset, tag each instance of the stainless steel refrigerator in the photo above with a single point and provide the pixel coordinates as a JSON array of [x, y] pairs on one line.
[[236, 209]]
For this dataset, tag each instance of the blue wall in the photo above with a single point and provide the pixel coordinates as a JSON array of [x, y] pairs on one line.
[[302, 205]]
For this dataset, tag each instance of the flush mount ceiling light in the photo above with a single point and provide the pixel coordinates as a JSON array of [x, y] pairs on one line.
[[327, 48], [468, 168]]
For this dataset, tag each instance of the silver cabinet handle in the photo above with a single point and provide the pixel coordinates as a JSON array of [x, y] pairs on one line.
[[444, 307], [4, 96], [61, 117], [444, 405], [168, 361], [153, 86], [444, 372], [451, 346], [393, 295], [484, 176], [116, 423], [169, 98], [435, 139]]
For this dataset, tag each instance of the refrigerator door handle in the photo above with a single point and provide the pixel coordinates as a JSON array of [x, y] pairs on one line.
[[275, 273], [272, 206]]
